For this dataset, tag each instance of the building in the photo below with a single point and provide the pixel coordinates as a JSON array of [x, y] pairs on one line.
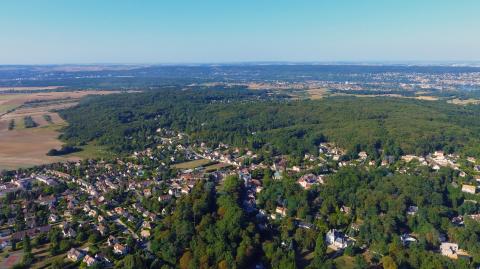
[[4, 243], [282, 211], [452, 251], [363, 155], [337, 240], [68, 232], [406, 239], [469, 189], [145, 233], [308, 180], [412, 210], [89, 260], [111, 241], [119, 249], [75, 254]]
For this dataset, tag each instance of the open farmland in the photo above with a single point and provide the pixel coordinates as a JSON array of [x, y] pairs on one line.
[[5, 89], [24, 147]]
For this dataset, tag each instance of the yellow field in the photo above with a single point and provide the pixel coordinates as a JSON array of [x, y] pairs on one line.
[[26, 147], [464, 102], [317, 93]]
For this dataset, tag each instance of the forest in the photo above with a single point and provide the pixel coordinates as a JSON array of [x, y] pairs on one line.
[[275, 124]]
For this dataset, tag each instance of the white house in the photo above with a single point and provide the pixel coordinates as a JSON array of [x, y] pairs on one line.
[[337, 240]]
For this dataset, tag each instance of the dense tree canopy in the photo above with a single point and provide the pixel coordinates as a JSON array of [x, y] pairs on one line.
[[238, 116]]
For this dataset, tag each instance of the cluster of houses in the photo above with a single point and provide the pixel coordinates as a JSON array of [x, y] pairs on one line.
[[96, 179], [77, 255]]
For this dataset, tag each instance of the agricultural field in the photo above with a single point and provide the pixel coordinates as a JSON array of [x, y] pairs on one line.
[[317, 93], [10, 89], [24, 147], [470, 101]]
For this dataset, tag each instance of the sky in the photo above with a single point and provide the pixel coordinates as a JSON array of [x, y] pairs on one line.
[[223, 31]]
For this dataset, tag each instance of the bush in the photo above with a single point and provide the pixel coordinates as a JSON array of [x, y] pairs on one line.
[[63, 151], [29, 122]]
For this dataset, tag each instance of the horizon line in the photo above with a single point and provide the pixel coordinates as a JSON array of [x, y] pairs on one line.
[[273, 62]]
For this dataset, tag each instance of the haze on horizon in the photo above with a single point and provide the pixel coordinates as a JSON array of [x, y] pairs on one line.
[[190, 31]]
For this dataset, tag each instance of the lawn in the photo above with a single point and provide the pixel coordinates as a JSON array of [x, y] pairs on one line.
[[215, 167], [344, 262], [91, 150], [6, 107]]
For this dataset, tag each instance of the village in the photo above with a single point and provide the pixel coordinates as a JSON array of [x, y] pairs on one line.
[[96, 205]]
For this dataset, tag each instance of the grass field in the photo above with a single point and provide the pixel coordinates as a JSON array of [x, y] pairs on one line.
[[215, 167], [317, 93], [92, 150], [6, 107], [344, 262], [192, 164]]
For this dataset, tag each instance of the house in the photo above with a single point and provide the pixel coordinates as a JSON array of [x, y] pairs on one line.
[[475, 217], [102, 258], [282, 211], [75, 254], [145, 233], [304, 225], [458, 221], [111, 241], [102, 229], [362, 155], [120, 211], [119, 249], [147, 192], [46, 180], [92, 213], [412, 210], [469, 188], [308, 180], [345, 209], [53, 218], [89, 260], [296, 168], [68, 232], [336, 240], [47, 200], [146, 225], [164, 198], [439, 154], [406, 239], [4, 243], [452, 251]]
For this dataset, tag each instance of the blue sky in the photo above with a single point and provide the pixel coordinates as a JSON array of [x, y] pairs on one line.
[[196, 31]]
